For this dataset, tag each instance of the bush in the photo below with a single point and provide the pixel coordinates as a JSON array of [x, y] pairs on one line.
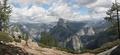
[[17, 40], [5, 37]]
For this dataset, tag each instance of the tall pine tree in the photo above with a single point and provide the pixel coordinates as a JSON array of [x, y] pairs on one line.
[[113, 16], [5, 11]]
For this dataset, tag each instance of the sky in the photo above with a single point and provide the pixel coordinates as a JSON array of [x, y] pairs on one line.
[[37, 11]]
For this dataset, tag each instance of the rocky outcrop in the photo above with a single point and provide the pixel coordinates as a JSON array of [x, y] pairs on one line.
[[116, 51], [76, 43], [90, 31], [81, 32]]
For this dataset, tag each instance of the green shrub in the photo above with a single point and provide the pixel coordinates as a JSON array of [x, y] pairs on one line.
[[17, 40], [5, 37]]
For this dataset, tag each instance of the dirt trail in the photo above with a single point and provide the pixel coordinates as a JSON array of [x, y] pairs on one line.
[[36, 50]]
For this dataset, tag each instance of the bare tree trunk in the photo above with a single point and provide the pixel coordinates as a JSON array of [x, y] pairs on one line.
[[118, 24], [0, 25], [118, 21]]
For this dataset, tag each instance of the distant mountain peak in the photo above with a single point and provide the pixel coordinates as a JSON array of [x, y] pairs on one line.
[[81, 32], [91, 31], [62, 22]]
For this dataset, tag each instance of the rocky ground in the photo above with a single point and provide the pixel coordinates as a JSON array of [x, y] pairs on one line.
[[34, 49], [11, 50]]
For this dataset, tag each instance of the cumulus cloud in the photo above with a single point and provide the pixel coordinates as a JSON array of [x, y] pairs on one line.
[[99, 8], [57, 9], [61, 10], [85, 2], [34, 14], [24, 1], [99, 3]]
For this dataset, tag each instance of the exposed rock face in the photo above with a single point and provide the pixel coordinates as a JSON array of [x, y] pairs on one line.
[[90, 31], [81, 33], [76, 43]]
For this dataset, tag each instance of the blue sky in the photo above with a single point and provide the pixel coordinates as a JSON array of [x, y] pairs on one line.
[[52, 10]]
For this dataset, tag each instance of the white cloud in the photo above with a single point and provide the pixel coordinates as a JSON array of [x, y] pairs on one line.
[[33, 1], [85, 2], [24, 1], [40, 1], [99, 3], [62, 10], [34, 14], [59, 9]]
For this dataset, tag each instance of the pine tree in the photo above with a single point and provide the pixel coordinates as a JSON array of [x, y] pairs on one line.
[[113, 16], [5, 11]]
